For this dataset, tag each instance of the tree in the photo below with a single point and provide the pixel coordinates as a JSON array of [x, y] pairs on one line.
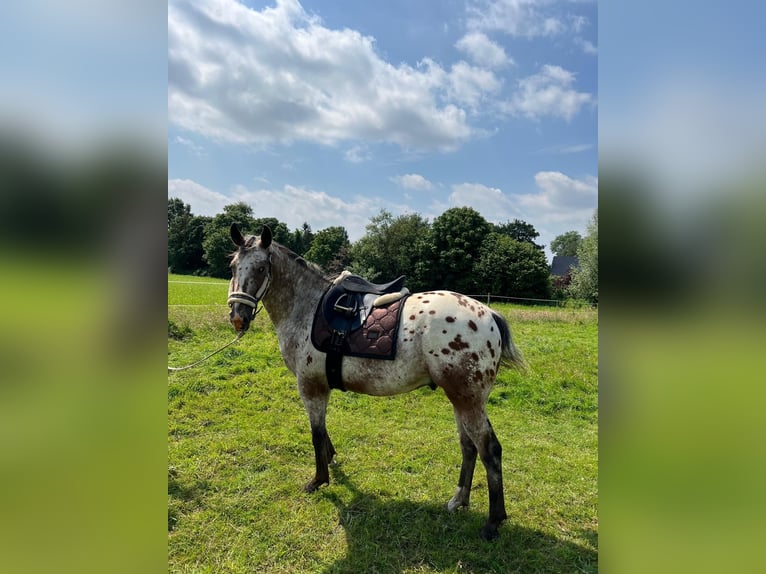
[[566, 244], [330, 249], [585, 279], [185, 236], [456, 238], [520, 231], [177, 209], [279, 231], [513, 268], [300, 239], [217, 243], [391, 247]]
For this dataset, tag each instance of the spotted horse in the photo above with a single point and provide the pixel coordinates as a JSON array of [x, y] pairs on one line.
[[445, 339]]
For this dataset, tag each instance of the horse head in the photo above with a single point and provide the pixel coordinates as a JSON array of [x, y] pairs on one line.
[[250, 275]]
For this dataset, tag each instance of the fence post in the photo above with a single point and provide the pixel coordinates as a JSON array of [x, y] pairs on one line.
[[487, 299]]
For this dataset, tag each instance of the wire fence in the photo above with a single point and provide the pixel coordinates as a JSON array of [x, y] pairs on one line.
[[488, 297]]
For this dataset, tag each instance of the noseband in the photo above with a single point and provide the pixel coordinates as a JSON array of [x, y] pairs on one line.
[[249, 300]]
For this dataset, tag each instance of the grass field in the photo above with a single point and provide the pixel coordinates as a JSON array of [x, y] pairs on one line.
[[239, 452]]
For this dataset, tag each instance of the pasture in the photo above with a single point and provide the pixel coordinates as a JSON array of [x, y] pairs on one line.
[[239, 453]]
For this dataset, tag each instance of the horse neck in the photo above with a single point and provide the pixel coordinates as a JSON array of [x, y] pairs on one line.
[[295, 289]]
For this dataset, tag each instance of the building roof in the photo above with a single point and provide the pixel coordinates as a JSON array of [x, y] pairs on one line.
[[562, 263]]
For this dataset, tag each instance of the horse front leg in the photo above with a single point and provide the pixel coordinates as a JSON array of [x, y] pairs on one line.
[[315, 401]]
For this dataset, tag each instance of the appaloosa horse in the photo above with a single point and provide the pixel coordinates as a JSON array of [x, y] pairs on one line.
[[445, 340]]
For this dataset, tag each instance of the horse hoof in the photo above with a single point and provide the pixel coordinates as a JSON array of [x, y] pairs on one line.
[[314, 485], [454, 505], [489, 532], [461, 498]]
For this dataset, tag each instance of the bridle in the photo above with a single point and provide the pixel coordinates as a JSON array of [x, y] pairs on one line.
[[250, 300]]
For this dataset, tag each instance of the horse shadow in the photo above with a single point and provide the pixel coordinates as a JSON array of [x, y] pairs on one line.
[[385, 536]]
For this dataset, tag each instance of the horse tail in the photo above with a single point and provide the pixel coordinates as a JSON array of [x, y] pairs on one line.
[[510, 356]]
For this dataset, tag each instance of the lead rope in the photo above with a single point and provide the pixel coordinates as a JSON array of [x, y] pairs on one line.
[[236, 297], [194, 364]]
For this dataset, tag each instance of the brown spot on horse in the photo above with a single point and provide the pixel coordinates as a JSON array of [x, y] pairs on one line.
[[458, 344]]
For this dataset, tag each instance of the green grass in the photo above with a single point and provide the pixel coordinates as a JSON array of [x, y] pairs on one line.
[[240, 451], [190, 290]]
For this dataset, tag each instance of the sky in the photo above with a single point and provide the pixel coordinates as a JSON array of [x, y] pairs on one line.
[[328, 112]]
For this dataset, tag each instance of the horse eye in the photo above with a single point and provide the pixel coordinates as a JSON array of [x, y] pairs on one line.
[[261, 270]]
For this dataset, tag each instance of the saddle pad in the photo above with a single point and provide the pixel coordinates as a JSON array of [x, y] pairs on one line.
[[375, 339]]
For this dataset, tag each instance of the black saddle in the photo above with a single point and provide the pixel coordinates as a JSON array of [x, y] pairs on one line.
[[344, 309], [356, 284], [347, 303]]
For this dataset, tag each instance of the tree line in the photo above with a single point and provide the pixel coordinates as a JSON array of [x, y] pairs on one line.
[[459, 251]]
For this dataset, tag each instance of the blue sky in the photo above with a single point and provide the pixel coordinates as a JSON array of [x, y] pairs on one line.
[[327, 112]]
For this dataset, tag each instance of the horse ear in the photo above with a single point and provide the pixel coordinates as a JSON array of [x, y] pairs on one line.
[[265, 237], [236, 235]]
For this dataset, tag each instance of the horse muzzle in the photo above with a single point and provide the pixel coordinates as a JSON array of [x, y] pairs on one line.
[[242, 310], [240, 322]]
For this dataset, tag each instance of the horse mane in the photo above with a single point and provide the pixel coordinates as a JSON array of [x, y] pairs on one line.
[[291, 255], [301, 261]]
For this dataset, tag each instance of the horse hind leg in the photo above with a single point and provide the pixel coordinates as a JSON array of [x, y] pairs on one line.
[[479, 429], [468, 449]]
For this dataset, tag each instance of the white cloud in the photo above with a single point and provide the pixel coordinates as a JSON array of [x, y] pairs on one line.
[[295, 205], [470, 85], [277, 75], [202, 200], [357, 154], [559, 191], [291, 204], [548, 93], [483, 51], [529, 19], [560, 201], [525, 18], [491, 202], [189, 144], [413, 181], [560, 204], [579, 23], [567, 149], [586, 46]]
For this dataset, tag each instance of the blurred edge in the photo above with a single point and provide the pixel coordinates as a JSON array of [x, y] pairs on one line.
[[681, 394], [83, 297], [682, 212]]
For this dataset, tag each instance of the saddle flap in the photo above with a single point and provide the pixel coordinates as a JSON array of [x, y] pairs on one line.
[[370, 333]]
